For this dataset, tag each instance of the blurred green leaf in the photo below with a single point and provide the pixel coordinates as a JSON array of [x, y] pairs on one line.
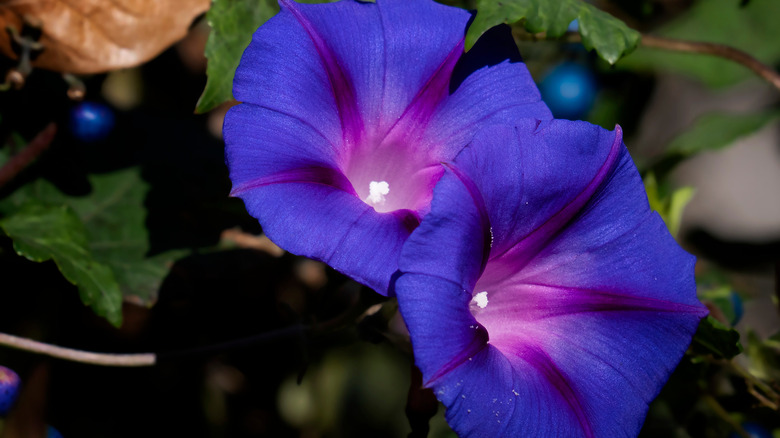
[[764, 358], [716, 339], [717, 130], [710, 132], [42, 232], [610, 37], [113, 217], [653, 194], [669, 206], [232, 24], [677, 203], [752, 28]]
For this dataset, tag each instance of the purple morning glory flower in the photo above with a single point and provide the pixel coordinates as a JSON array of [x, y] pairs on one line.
[[348, 110], [542, 295]]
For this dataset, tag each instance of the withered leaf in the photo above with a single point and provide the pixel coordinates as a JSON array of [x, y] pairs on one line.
[[94, 36]]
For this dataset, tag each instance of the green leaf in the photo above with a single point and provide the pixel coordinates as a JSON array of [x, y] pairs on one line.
[[752, 28], [717, 130], [653, 194], [709, 132], [610, 37], [716, 339], [669, 206], [232, 24], [42, 232], [764, 358], [677, 203], [113, 216]]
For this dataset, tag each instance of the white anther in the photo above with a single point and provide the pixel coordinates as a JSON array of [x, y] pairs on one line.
[[481, 299], [377, 190]]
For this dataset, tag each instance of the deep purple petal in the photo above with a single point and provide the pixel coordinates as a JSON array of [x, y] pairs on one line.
[[304, 202], [351, 57], [500, 91], [595, 384], [281, 64], [615, 233], [485, 392], [289, 146], [332, 226], [588, 302], [342, 96], [453, 257], [446, 335], [540, 175]]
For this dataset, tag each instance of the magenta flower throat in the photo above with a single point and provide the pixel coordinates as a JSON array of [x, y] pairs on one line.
[[542, 295], [347, 111]]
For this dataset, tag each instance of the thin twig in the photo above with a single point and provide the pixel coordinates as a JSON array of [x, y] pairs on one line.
[[150, 359], [118, 360], [713, 49], [35, 148], [719, 50], [763, 392]]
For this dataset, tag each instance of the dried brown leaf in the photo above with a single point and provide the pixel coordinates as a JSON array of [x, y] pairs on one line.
[[94, 36]]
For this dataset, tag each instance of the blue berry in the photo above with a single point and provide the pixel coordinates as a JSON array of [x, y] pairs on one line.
[[569, 90], [9, 389], [91, 121]]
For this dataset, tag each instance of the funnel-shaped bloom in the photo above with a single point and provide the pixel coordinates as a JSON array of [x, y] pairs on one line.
[[543, 297], [348, 109]]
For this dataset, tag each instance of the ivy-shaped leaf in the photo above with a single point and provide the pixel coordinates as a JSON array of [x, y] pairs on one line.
[[232, 24], [41, 232], [112, 219], [610, 37], [115, 218]]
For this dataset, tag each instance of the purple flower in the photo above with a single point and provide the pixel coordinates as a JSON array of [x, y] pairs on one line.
[[543, 297], [348, 110]]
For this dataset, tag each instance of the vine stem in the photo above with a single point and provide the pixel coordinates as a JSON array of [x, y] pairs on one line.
[[703, 48], [106, 359], [35, 148], [297, 332], [719, 50]]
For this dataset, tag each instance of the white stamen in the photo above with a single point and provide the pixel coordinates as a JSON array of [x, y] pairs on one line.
[[377, 190], [481, 299]]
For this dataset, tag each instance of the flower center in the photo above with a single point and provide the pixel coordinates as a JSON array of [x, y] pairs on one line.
[[377, 190], [375, 169], [479, 301]]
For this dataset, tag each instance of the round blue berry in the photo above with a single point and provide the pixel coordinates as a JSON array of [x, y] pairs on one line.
[[9, 389], [569, 90], [91, 121], [53, 433]]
